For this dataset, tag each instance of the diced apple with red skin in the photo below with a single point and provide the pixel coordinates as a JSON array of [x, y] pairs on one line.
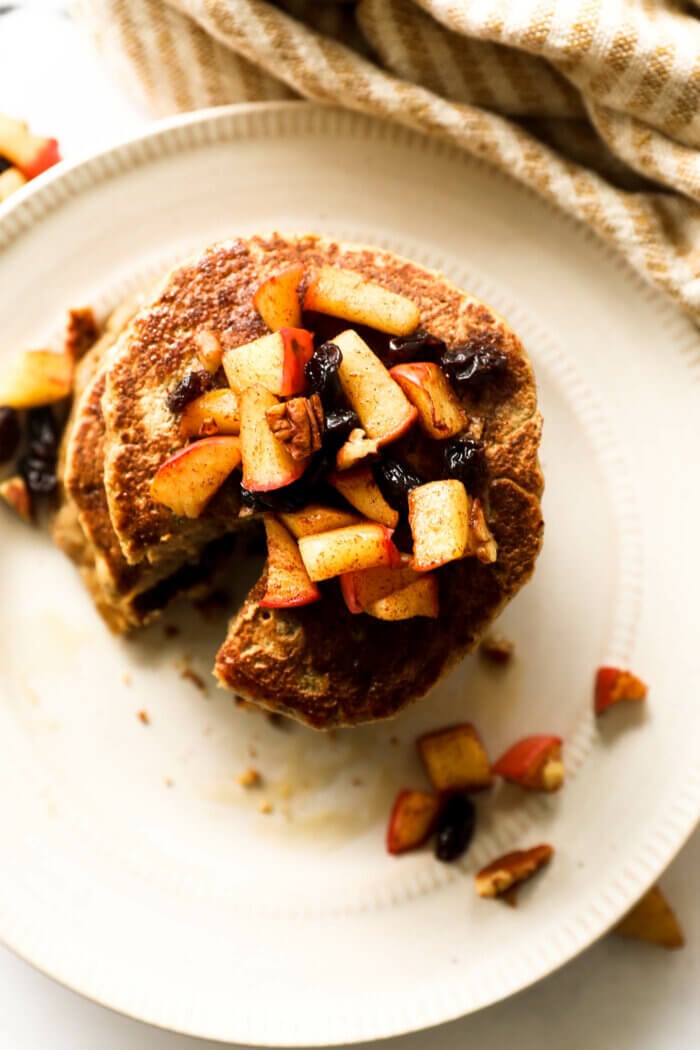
[[612, 685], [215, 412], [346, 294], [267, 464], [30, 153], [440, 413], [362, 588], [420, 598], [15, 493], [455, 759], [438, 513], [383, 408], [11, 180], [534, 763], [412, 820], [276, 361], [209, 351], [277, 299], [191, 477], [363, 546], [361, 490], [315, 518], [287, 584], [35, 378]]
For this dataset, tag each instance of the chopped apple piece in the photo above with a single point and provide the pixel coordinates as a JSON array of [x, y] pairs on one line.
[[652, 920], [15, 493], [11, 179], [287, 583], [277, 299], [215, 412], [363, 546], [346, 294], [420, 598], [612, 685], [412, 820], [534, 763], [30, 153], [440, 412], [361, 490], [357, 449], [502, 874], [191, 477], [362, 588], [266, 462], [384, 410], [315, 518], [35, 378], [275, 361], [209, 351], [438, 513], [455, 759]]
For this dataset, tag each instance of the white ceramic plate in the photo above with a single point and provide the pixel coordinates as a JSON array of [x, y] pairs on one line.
[[135, 869]]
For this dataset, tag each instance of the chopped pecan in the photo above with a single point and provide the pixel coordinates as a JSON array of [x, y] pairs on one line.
[[498, 877], [298, 424], [81, 332], [496, 648], [481, 541], [357, 447]]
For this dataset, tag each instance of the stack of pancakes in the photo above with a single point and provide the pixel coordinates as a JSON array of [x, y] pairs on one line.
[[319, 663]]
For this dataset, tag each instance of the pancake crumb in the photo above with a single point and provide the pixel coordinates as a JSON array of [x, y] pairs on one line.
[[144, 717], [249, 778], [265, 808]]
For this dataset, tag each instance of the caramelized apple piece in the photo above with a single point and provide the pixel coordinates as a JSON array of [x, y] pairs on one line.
[[215, 412], [209, 351], [277, 299], [346, 294], [502, 874], [11, 180], [361, 490], [35, 378], [287, 583], [440, 413], [16, 495], [438, 513], [361, 589], [652, 920], [362, 546], [412, 820], [315, 518], [534, 763], [357, 449], [384, 410], [275, 361], [30, 153], [191, 477], [420, 598], [267, 464], [455, 759], [613, 685]]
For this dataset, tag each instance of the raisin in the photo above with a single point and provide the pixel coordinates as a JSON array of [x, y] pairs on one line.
[[455, 828], [280, 501], [38, 465], [10, 433], [470, 363], [396, 481], [339, 423], [4, 164], [464, 459], [419, 345], [322, 370], [190, 387]]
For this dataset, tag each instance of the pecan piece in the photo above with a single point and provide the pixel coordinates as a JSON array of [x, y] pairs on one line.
[[502, 874], [81, 332], [481, 541], [298, 424]]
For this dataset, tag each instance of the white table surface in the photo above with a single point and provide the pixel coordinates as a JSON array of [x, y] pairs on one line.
[[618, 994]]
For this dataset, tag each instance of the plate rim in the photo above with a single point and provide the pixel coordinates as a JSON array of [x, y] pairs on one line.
[[169, 137]]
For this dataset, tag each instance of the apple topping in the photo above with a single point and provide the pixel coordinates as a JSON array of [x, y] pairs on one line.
[[298, 424], [363, 546], [287, 583], [412, 820], [275, 361], [187, 481], [534, 763], [15, 493], [652, 920], [613, 685], [348, 295], [440, 413], [35, 378], [361, 589], [356, 449], [455, 759], [30, 153], [209, 351], [502, 874], [384, 410], [480, 541], [215, 412], [438, 513], [420, 598], [277, 299], [267, 463], [11, 180], [361, 490], [315, 518]]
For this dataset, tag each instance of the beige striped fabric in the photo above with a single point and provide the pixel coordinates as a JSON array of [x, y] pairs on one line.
[[595, 104]]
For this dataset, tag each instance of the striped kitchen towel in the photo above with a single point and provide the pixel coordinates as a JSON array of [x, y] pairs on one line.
[[595, 104]]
